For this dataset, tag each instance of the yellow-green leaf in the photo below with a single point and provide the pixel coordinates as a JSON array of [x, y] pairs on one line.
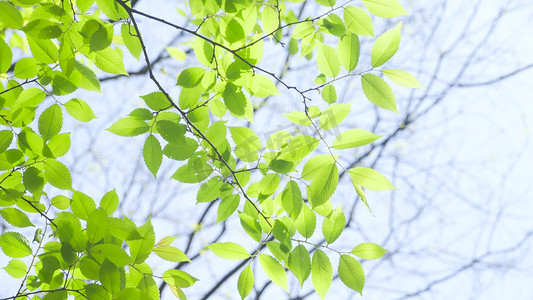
[[322, 273], [358, 21], [15, 245], [354, 138], [245, 283], [368, 251], [229, 250], [351, 273], [385, 8], [274, 270], [170, 253], [370, 179], [386, 46], [378, 92], [403, 78]]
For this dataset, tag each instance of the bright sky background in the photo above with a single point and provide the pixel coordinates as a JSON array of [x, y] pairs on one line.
[[468, 163]]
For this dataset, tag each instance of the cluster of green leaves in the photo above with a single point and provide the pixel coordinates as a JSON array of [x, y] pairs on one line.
[[60, 48]]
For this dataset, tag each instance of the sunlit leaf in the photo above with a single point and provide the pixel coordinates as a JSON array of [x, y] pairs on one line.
[[274, 270], [245, 283], [351, 273], [378, 92], [368, 251], [229, 250], [370, 179], [385, 8]]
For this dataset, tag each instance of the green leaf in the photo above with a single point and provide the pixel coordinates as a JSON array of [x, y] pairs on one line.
[[10, 16], [251, 226], [109, 276], [210, 190], [282, 234], [269, 184], [112, 252], [82, 205], [189, 97], [178, 278], [349, 48], [403, 78], [153, 155], [99, 40], [182, 150], [385, 8], [351, 273], [322, 273], [170, 253], [368, 251], [386, 46], [15, 245], [176, 53], [291, 199], [247, 143], [245, 283], [51, 121], [354, 138], [333, 115], [324, 184], [358, 21], [333, 225], [129, 126], [227, 207], [110, 61], [15, 217], [195, 171], [140, 249], [129, 36], [59, 144], [328, 61], [109, 202], [329, 94], [306, 222], [298, 148], [315, 164], [302, 30], [370, 179], [61, 85], [191, 77], [334, 25], [298, 117], [274, 270], [44, 51], [112, 9], [61, 202], [235, 100], [57, 174], [31, 97], [142, 114], [300, 263], [25, 68], [84, 77], [262, 87], [234, 31], [172, 132], [229, 250], [269, 19], [97, 225], [16, 268], [156, 101], [328, 3], [6, 138], [378, 92], [33, 180], [84, 5]]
